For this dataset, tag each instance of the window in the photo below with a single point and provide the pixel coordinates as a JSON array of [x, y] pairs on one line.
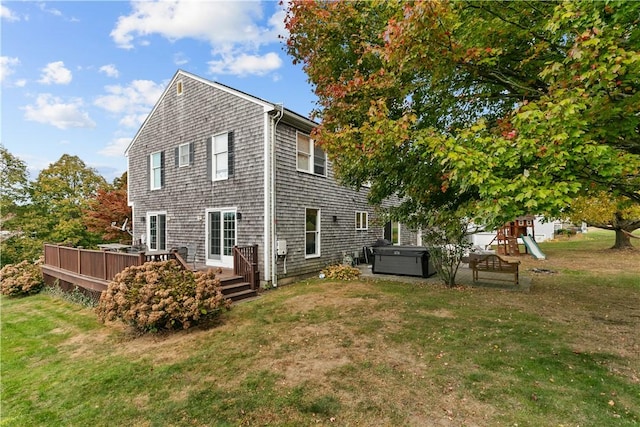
[[312, 233], [319, 161], [392, 232], [362, 221], [156, 170], [179, 88], [157, 231], [222, 156], [184, 155], [311, 158]]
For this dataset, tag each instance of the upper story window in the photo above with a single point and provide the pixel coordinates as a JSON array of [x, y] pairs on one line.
[[362, 220], [311, 158], [179, 87], [156, 170], [221, 156], [184, 154]]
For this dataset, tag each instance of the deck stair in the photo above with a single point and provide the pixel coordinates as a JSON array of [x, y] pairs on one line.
[[236, 289]]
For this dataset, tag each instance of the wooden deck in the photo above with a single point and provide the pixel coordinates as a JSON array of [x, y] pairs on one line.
[[93, 270]]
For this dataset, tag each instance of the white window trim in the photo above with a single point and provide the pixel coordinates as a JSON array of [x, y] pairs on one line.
[[214, 163], [365, 215], [188, 148], [311, 169], [318, 233], [153, 185], [179, 87], [166, 236]]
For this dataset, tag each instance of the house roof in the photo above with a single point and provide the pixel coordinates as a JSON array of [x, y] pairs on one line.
[[289, 117]]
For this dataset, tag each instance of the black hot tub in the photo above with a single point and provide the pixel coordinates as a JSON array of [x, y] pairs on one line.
[[402, 260]]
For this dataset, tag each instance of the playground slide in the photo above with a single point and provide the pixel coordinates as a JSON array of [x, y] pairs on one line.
[[532, 247]]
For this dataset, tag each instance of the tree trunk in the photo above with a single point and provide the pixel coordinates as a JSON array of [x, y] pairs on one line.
[[623, 241]]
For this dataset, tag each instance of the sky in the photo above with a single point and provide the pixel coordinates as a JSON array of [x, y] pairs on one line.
[[80, 77]]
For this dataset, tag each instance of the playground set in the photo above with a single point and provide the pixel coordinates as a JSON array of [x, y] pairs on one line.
[[507, 238]]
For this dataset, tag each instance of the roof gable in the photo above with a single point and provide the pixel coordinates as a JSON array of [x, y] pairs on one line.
[[267, 106]]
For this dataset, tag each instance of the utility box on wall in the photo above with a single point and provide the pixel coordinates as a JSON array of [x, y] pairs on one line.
[[281, 247]]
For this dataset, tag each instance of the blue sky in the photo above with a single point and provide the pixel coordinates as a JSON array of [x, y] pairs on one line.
[[79, 77]]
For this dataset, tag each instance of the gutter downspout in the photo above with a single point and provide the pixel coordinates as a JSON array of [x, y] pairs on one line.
[[274, 259], [268, 245]]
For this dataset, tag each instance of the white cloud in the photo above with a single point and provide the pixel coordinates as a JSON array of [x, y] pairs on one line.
[[110, 70], [8, 14], [53, 111], [235, 31], [180, 59], [54, 12], [55, 73], [7, 65], [134, 101], [215, 22], [243, 64], [116, 147]]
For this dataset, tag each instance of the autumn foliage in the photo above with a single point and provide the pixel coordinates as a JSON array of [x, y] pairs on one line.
[[162, 296], [109, 205], [497, 109], [341, 272]]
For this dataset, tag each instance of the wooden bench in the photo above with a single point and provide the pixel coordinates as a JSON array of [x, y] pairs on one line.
[[491, 263]]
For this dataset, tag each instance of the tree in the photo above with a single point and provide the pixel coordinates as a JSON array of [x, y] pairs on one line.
[[108, 206], [60, 195], [14, 187], [16, 243], [487, 109], [603, 211]]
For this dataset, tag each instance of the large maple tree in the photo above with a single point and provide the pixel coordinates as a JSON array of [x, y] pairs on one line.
[[487, 110]]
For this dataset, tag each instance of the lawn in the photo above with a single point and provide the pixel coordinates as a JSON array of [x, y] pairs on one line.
[[364, 353]]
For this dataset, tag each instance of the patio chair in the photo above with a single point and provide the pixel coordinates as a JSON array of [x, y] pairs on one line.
[[190, 256]]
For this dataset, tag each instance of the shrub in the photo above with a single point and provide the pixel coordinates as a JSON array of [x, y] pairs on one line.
[[162, 296], [341, 272], [24, 278], [75, 296]]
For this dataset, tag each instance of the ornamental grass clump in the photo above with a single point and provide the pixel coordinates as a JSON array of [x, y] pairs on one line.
[[341, 272], [22, 279], [162, 296]]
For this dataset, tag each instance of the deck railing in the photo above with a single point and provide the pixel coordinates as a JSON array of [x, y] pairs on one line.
[[103, 265], [99, 267], [245, 264]]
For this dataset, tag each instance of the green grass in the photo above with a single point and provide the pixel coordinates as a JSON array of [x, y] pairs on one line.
[[356, 353]]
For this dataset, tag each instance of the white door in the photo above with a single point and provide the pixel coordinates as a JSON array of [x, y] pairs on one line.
[[221, 237]]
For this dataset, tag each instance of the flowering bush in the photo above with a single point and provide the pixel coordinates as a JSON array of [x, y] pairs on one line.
[[161, 295], [341, 272], [21, 279]]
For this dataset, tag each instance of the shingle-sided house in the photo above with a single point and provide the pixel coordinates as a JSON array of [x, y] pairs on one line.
[[212, 167]]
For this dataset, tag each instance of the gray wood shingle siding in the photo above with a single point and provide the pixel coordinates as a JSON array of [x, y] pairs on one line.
[[205, 109], [193, 117], [297, 191]]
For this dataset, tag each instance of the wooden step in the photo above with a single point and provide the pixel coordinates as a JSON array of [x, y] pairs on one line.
[[236, 289], [241, 295]]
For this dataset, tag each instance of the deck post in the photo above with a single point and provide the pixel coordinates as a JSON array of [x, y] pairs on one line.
[[104, 265], [254, 268]]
